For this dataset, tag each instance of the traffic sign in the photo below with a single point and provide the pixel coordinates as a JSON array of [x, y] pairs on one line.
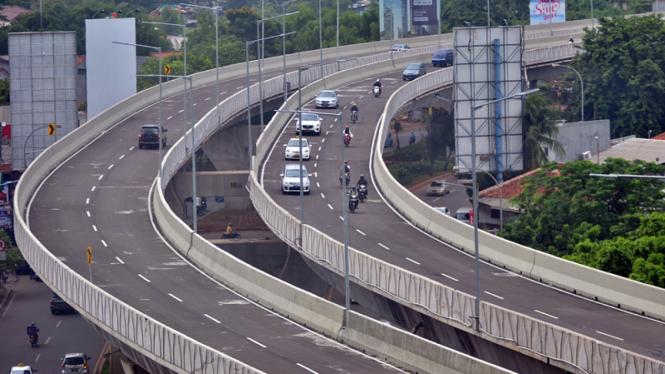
[[89, 252], [167, 69], [3, 245], [51, 129]]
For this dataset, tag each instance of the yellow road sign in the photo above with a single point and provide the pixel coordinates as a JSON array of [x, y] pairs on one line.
[[51, 129], [89, 252], [167, 69]]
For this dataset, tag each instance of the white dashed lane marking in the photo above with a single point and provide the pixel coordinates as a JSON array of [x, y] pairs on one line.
[[306, 368], [449, 277], [491, 294], [611, 336], [207, 99], [93, 189], [119, 260], [322, 195], [255, 342], [415, 262], [384, 246], [361, 233], [104, 243], [331, 208], [144, 278], [88, 213], [94, 227], [545, 314], [175, 297], [214, 320]]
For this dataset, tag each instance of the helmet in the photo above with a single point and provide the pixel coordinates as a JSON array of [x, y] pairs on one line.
[[362, 176], [32, 324], [378, 79], [353, 188], [347, 127], [230, 223], [346, 162]]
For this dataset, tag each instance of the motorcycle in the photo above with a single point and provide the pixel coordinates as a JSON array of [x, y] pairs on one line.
[[353, 204], [354, 116], [234, 235], [377, 91], [348, 178], [347, 139], [362, 192], [33, 340]]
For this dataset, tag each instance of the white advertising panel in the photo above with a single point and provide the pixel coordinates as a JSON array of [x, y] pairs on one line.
[[487, 67], [111, 68], [43, 91]]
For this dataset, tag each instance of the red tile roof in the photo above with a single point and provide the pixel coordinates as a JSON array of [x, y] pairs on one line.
[[13, 11], [660, 136], [80, 59], [511, 188]]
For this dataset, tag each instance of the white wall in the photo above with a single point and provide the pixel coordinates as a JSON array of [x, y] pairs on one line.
[[111, 68]]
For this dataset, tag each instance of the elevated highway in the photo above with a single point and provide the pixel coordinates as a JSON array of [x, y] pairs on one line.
[[89, 167]]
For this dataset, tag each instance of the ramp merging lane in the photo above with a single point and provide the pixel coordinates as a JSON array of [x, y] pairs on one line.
[[99, 198], [378, 231]]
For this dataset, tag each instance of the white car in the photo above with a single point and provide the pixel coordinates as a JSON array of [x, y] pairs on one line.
[[22, 369], [292, 150], [291, 179], [399, 48], [327, 99], [310, 123], [443, 210]]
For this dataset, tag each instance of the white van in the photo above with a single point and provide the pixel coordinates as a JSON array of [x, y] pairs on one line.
[[463, 214]]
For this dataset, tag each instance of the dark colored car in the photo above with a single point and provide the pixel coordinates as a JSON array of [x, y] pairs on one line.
[[443, 57], [414, 70], [59, 305], [23, 268], [149, 136]]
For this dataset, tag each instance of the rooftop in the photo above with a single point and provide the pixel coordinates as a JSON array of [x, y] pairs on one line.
[[649, 150], [13, 11]]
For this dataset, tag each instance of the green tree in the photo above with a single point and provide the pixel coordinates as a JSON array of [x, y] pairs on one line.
[[623, 73], [440, 136], [4, 92], [397, 126], [539, 129]]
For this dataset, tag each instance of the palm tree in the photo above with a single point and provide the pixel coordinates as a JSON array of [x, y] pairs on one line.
[[398, 127], [539, 129]]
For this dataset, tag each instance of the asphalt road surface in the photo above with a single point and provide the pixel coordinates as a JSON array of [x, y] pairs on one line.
[[99, 198], [58, 333], [379, 232]]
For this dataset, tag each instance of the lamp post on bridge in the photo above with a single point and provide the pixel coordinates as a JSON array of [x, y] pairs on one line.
[[159, 50], [581, 84]]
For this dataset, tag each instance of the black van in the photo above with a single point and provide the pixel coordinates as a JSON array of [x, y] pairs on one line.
[[443, 57]]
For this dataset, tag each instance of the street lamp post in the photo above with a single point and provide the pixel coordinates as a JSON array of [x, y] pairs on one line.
[[97, 12], [581, 84], [260, 55], [347, 294], [213, 9], [137, 10], [500, 194], [184, 35], [598, 150], [159, 50], [284, 44], [475, 191], [25, 144], [249, 100]]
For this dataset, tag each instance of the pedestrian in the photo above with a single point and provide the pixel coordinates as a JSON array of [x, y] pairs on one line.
[[412, 138]]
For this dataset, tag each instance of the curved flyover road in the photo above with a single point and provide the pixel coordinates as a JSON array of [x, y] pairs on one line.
[[378, 231], [99, 198]]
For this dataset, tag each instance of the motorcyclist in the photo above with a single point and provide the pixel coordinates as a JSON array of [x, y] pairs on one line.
[[346, 168], [230, 231], [362, 180], [353, 194], [354, 107], [378, 84], [33, 330]]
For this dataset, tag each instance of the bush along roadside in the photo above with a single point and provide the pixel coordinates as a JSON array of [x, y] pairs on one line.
[[404, 173]]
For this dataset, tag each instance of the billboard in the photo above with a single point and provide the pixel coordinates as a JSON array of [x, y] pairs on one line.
[[488, 67], [424, 13], [111, 68], [546, 11], [43, 91]]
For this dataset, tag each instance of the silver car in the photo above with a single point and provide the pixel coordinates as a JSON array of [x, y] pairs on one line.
[[327, 99], [291, 179], [75, 363]]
